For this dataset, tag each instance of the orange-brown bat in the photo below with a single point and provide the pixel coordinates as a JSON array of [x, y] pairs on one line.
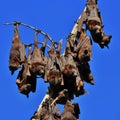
[[17, 51]]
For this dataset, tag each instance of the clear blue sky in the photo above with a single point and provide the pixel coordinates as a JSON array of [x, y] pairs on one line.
[[57, 17]]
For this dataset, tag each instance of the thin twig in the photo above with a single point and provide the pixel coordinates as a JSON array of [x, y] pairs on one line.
[[29, 26]]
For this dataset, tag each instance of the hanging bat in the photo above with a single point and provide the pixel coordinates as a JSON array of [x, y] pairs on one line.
[[37, 58], [70, 112], [17, 51], [94, 24]]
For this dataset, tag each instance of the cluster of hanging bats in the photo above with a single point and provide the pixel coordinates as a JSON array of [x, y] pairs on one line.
[[65, 73]]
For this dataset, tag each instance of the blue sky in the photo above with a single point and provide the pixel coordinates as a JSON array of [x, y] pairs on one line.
[[57, 18]]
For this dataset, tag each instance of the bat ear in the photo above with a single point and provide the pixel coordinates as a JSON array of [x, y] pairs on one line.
[[76, 110]]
